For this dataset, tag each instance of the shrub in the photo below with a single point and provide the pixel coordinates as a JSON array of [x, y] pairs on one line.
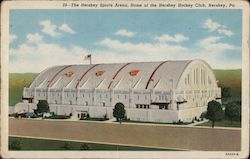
[[15, 145], [84, 147]]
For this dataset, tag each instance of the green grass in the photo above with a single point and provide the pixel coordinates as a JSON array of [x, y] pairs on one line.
[[222, 123], [45, 144], [230, 78], [17, 81], [95, 119]]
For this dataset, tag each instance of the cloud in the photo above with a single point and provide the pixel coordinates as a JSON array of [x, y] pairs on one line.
[[141, 48], [66, 28], [35, 58], [34, 38], [167, 38], [226, 32], [213, 26], [210, 49], [13, 37], [213, 44], [49, 28], [123, 32]]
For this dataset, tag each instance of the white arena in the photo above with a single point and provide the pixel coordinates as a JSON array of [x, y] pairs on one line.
[[165, 91]]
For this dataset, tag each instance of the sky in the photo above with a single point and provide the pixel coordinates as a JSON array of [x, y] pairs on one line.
[[43, 38]]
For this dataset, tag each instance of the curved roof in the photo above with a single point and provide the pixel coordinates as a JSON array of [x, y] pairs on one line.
[[136, 75]]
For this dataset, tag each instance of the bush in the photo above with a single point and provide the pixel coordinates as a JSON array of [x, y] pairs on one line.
[[84, 147], [15, 145], [66, 146], [58, 117]]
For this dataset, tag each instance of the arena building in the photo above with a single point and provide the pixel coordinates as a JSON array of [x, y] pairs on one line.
[[166, 91]]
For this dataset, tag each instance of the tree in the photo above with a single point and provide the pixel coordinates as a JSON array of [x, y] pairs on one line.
[[42, 106], [119, 112], [226, 94], [214, 111], [233, 110], [15, 145]]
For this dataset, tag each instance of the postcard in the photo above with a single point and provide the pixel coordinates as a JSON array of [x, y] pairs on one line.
[[125, 79]]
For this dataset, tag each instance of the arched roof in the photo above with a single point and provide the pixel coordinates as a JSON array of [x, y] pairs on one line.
[[137, 75]]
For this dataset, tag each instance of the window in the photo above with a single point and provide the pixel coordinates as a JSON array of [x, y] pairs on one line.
[[125, 96], [106, 96], [166, 107], [140, 106], [138, 97], [103, 104], [86, 103], [145, 106], [137, 106], [118, 96], [83, 95]]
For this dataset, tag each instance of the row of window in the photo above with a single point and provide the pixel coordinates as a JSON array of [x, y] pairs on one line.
[[163, 106], [199, 77], [142, 106]]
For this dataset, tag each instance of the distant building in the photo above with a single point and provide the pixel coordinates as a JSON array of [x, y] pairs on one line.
[[165, 91]]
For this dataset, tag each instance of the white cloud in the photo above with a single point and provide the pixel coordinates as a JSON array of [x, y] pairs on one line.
[[67, 29], [12, 37], [49, 28], [213, 44], [124, 32], [35, 58], [142, 48], [34, 38], [213, 26], [210, 49], [226, 32], [167, 38]]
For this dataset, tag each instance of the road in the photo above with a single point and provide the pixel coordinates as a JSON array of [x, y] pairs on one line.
[[188, 138]]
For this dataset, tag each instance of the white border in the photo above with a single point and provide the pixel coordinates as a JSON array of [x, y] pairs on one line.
[[7, 5]]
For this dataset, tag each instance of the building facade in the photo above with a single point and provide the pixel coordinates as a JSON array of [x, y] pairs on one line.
[[166, 91]]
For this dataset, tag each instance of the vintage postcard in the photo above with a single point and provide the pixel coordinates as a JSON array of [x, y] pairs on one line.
[[125, 79]]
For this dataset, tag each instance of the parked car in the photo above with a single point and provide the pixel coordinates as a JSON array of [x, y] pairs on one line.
[[30, 115], [21, 115]]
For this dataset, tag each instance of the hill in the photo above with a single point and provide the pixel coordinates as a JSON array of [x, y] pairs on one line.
[[230, 78], [17, 81]]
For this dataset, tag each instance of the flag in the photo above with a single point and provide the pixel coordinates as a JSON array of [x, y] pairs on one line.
[[87, 57]]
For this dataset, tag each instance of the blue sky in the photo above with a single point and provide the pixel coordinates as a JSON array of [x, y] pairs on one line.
[[56, 37]]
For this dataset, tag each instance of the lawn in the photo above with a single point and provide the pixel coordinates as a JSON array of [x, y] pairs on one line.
[[45, 144], [222, 123]]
